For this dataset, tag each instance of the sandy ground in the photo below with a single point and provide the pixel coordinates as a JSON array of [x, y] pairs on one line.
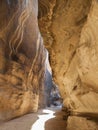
[[46, 119]]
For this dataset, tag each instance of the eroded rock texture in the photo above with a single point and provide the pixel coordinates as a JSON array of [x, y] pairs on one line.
[[61, 29], [22, 57], [69, 29], [82, 84], [87, 55], [80, 123]]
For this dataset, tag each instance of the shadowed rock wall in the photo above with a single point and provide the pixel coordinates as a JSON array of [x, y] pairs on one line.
[[22, 58]]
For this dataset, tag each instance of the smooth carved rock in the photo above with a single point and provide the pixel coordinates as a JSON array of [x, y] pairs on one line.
[[22, 58]]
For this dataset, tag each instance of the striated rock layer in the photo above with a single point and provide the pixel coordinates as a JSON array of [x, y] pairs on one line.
[[69, 29], [22, 58]]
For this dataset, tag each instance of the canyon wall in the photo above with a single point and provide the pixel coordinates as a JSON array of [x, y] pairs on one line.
[[69, 29], [22, 58], [87, 64]]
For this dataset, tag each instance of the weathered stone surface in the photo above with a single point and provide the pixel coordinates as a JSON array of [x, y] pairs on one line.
[[61, 29], [82, 83], [69, 29], [80, 123], [70, 34], [22, 58]]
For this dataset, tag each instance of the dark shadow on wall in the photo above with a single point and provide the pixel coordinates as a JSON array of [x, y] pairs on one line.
[[52, 95]]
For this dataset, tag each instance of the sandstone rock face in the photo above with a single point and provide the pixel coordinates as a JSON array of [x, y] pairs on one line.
[[61, 29], [87, 55], [69, 29], [22, 58], [80, 123], [82, 84]]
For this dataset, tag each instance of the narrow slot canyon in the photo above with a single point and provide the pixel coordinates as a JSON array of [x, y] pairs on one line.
[[48, 65]]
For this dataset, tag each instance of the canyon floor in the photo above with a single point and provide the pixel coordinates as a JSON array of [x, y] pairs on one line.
[[44, 119]]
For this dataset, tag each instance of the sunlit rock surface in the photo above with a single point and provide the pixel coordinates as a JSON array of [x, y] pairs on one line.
[[69, 29], [87, 55], [81, 85], [61, 29], [22, 58]]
